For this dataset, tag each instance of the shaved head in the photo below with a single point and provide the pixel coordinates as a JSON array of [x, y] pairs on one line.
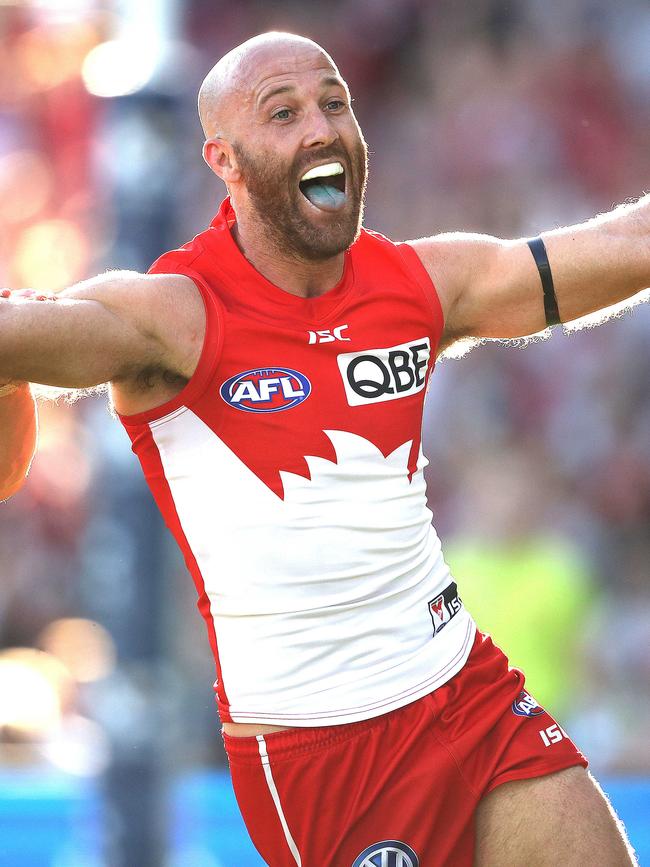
[[281, 134], [230, 78]]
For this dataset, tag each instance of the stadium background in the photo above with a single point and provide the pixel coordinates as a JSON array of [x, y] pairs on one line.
[[492, 116]]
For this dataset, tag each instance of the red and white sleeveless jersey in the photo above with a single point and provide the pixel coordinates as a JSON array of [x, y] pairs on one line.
[[290, 471]]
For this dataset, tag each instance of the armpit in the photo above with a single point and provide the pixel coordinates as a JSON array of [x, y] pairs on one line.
[[153, 376]]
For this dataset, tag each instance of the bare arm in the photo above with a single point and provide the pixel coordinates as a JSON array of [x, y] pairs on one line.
[[17, 437], [110, 328], [491, 288], [107, 329]]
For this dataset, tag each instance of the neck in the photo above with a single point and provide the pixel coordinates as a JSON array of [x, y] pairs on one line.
[[301, 277]]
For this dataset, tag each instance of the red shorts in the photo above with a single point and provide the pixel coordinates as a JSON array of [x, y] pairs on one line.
[[400, 789]]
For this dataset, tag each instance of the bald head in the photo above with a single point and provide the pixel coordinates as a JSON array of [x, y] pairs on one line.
[[273, 110], [231, 78]]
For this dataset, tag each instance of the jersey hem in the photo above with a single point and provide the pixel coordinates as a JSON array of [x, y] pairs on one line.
[[350, 715]]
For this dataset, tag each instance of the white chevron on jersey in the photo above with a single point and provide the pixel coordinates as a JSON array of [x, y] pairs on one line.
[[320, 599]]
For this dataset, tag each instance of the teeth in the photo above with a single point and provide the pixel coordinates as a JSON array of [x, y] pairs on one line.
[[325, 171]]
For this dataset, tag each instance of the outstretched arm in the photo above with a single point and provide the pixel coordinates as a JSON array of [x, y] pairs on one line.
[[107, 329], [491, 288]]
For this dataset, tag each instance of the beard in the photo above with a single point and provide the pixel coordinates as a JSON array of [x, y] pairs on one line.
[[281, 207]]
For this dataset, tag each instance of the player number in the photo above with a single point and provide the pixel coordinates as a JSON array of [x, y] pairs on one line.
[[552, 735]]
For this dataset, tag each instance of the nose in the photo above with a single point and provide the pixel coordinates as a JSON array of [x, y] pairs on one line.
[[319, 130]]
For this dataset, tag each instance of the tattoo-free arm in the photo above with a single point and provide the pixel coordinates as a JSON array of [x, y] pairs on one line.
[[104, 329], [491, 288]]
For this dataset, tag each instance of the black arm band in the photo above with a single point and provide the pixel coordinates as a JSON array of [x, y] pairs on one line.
[[540, 256]]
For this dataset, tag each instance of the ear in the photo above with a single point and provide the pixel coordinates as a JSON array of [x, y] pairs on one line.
[[219, 155]]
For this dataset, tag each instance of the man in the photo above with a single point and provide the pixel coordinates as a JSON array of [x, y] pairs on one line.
[[271, 377]]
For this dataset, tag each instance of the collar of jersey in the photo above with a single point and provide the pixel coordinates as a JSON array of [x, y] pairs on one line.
[[304, 309]]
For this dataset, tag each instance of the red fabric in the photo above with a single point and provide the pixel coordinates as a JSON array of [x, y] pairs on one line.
[[414, 775], [384, 298]]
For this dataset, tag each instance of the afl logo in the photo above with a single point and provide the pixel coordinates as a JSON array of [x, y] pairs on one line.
[[266, 389], [388, 853], [525, 705]]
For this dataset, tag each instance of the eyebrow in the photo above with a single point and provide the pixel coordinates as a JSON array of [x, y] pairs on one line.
[[329, 81], [283, 88]]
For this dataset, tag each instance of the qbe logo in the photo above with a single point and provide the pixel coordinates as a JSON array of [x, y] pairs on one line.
[[376, 375], [388, 853], [444, 607], [266, 389], [525, 705]]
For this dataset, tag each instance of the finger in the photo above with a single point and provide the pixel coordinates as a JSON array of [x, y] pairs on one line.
[[26, 294]]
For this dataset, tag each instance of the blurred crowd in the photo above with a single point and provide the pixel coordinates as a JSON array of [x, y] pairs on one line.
[[499, 117]]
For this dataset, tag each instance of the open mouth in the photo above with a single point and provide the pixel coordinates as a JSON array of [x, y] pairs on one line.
[[324, 186]]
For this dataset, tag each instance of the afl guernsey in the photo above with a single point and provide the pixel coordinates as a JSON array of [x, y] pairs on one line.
[[290, 471]]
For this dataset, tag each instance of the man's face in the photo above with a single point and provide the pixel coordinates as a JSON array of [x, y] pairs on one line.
[[297, 121]]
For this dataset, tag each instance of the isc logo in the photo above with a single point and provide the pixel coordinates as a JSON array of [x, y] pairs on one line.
[[376, 375], [328, 336], [268, 389]]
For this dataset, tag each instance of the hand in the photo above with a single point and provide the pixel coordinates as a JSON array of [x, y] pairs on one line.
[[29, 294], [21, 294]]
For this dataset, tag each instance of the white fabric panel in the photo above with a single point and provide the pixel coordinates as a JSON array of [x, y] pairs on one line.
[[320, 600]]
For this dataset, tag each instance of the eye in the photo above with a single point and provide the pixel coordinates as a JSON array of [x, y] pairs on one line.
[[335, 104], [282, 114]]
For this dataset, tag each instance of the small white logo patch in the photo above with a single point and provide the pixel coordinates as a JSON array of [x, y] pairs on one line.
[[328, 336], [376, 375]]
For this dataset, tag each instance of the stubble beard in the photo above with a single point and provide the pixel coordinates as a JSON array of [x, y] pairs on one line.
[[276, 199]]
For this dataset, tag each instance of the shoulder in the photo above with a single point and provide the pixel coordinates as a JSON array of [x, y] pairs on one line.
[[458, 261], [463, 247], [375, 247], [135, 291], [183, 257], [167, 308], [371, 239], [129, 283]]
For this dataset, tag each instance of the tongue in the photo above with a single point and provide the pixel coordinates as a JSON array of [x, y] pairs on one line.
[[325, 196]]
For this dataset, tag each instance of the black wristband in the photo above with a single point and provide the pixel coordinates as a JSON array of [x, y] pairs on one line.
[[540, 256]]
